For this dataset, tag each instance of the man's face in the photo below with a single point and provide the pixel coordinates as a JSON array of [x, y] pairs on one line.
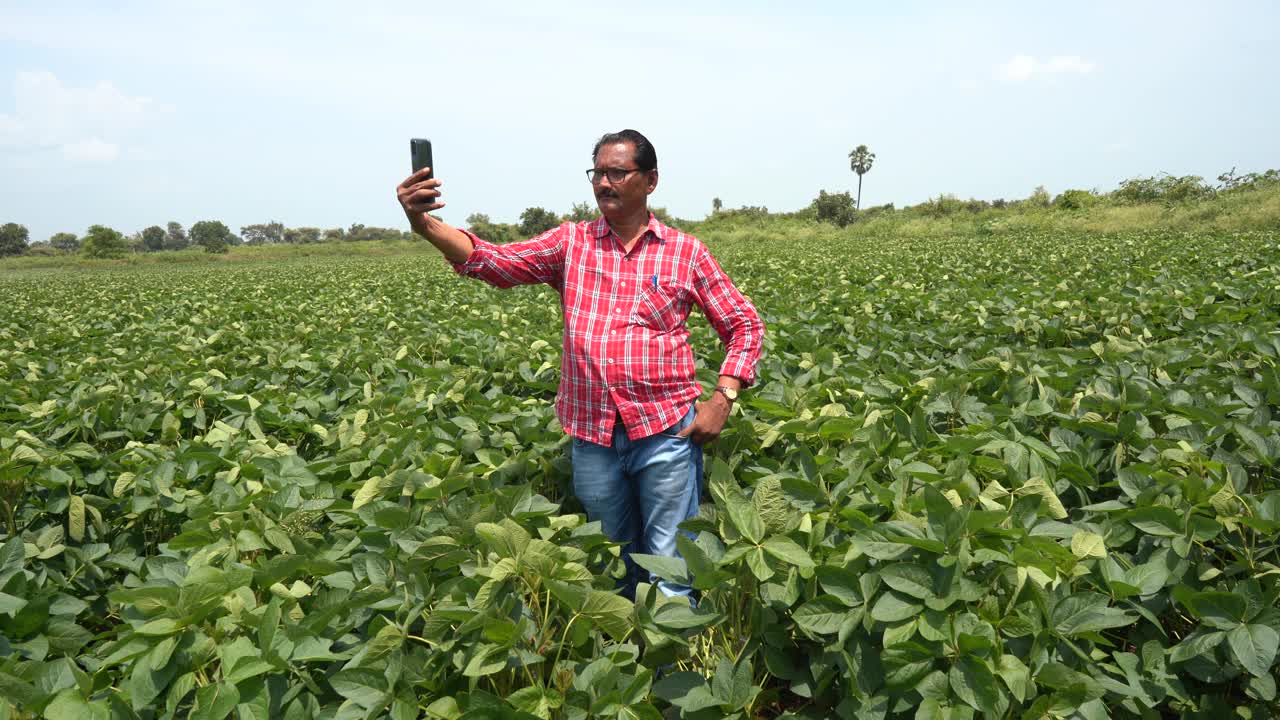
[[629, 195]]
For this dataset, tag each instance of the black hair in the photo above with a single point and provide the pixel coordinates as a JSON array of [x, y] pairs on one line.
[[646, 159]]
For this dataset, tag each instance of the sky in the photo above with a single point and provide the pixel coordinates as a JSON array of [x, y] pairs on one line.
[[131, 114]]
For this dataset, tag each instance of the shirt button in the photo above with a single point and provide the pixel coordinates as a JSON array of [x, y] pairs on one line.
[[610, 361], [613, 332], [617, 310]]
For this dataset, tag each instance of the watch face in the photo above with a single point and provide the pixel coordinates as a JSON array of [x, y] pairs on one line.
[[729, 393]]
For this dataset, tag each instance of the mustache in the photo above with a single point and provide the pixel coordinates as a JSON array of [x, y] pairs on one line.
[[606, 194]]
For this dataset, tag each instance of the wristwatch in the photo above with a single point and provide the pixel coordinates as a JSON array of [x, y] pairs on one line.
[[727, 392]]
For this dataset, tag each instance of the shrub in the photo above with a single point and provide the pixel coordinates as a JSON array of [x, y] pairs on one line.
[[103, 242], [835, 208]]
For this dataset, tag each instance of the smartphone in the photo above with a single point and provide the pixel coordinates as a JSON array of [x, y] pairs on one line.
[[420, 151]]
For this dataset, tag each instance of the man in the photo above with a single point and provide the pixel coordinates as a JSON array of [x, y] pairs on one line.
[[627, 385]]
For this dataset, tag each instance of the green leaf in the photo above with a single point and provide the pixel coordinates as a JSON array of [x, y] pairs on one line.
[[788, 551], [214, 702], [610, 612], [75, 518], [71, 705], [759, 566], [486, 660], [1016, 676], [536, 700], [667, 568], [10, 605], [687, 691], [840, 583], [893, 607], [368, 688], [1085, 544], [822, 616], [1087, 612], [732, 684], [160, 626], [1255, 647], [1158, 521], [908, 578], [745, 518], [973, 682], [1222, 610]]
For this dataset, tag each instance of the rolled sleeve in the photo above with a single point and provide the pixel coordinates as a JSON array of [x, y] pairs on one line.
[[475, 261], [734, 318]]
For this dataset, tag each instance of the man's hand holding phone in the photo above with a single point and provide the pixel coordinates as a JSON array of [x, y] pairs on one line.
[[419, 195]]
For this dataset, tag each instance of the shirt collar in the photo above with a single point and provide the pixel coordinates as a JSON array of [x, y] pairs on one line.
[[600, 228]]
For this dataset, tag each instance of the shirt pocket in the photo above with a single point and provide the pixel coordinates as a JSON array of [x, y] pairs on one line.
[[662, 307]]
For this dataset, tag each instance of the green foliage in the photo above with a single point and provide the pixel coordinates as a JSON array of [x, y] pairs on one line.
[[65, 241], [1231, 182], [1030, 475], [13, 239], [212, 235], [263, 233], [153, 238], [582, 212], [860, 161], [835, 208], [1075, 200], [499, 233], [944, 205], [535, 221], [1163, 189], [1039, 197], [301, 235], [175, 238], [666, 218], [103, 242]]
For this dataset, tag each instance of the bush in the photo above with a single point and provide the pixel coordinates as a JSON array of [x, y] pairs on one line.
[[947, 204], [535, 221], [42, 249], [65, 241], [1163, 188], [582, 212], [13, 239], [1075, 200], [485, 229], [834, 208], [102, 242], [212, 235], [1039, 197]]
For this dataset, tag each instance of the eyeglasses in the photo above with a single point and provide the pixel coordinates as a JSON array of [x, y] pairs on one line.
[[615, 175]]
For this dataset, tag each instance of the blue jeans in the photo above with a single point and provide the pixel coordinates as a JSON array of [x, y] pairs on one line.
[[640, 490]]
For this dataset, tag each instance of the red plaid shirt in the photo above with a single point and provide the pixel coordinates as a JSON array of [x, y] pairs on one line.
[[626, 347]]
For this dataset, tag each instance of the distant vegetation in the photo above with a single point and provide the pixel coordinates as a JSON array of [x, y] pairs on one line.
[[1235, 203]]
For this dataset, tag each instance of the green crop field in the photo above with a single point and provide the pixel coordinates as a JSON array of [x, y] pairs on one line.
[[1018, 475]]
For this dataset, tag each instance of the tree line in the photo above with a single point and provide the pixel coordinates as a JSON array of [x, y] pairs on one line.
[[836, 208], [100, 241]]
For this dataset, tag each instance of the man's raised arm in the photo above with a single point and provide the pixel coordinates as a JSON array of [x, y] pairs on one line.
[[537, 260]]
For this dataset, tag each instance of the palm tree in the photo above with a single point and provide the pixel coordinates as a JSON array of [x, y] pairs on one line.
[[860, 162]]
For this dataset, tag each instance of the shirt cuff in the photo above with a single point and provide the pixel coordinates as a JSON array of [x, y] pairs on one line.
[[740, 368], [475, 261]]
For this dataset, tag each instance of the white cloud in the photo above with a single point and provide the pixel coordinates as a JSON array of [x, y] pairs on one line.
[[86, 123], [1021, 68], [91, 150]]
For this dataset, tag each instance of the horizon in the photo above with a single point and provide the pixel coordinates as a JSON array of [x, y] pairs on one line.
[[149, 113]]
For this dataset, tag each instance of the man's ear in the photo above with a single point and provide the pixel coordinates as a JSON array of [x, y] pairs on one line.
[[653, 181]]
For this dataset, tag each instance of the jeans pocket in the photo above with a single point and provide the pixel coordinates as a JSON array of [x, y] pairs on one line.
[[673, 432]]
